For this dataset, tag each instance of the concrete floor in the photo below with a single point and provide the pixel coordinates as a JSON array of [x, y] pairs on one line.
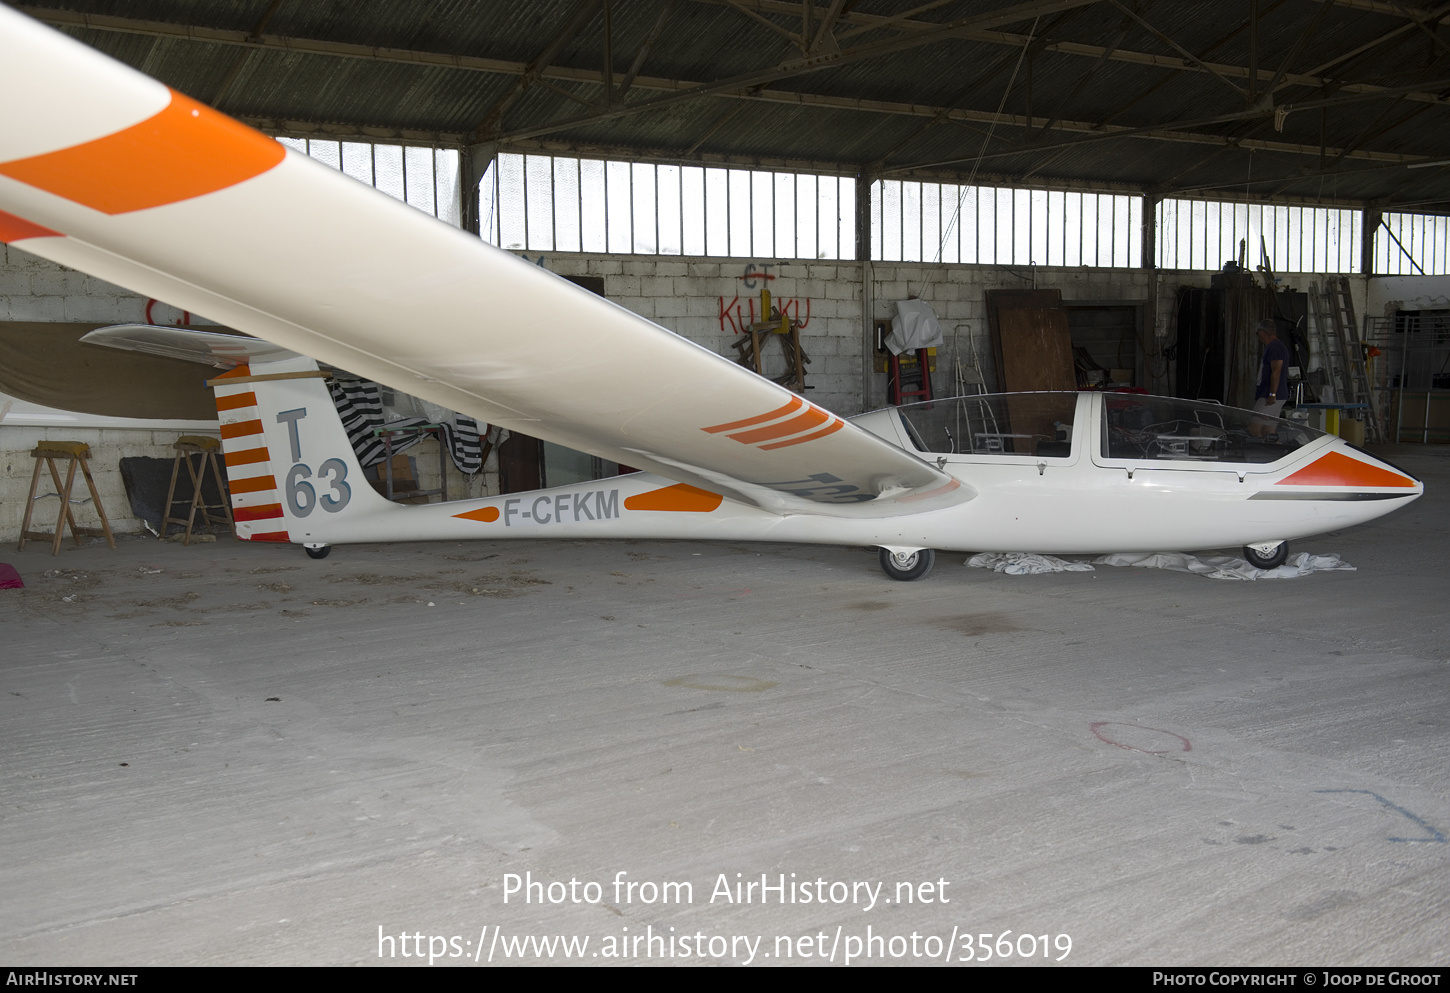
[[234, 754]]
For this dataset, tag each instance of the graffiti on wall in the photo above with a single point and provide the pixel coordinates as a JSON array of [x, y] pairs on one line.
[[738, 315]]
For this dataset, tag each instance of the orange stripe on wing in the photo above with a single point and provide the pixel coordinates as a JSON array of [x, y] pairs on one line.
[[239, 371], [252, 484], [682, 497], [795, 404], [241, 429], [1338, 469], [14, 228], [831, 428], [185, 151], [810, 419], [236, 401]]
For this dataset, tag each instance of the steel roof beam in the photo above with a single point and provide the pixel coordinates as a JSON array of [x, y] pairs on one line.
[[1299, 43], [684, 88], [469, 63], [535, 69], [1229, 71], [644, 49], [1188, 57], [795, 39], [799, 67]]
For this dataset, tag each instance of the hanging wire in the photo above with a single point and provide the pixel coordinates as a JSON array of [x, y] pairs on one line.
[[962, 195]]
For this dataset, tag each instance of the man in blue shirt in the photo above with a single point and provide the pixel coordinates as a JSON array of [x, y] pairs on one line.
[[1273, 387]]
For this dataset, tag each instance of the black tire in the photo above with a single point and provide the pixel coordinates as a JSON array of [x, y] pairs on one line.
[[1271, 561], [915, 566], [318, 553]]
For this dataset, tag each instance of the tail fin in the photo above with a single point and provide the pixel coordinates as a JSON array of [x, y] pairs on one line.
[[291, 469]]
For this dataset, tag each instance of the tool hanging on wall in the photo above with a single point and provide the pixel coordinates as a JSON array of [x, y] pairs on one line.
[[751, 340]]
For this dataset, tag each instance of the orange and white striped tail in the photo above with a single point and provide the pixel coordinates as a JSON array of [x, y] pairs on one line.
[[256, 501]]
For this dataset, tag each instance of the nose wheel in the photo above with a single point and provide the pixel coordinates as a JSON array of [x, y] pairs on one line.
[[906, 566], [1267, 554], [317, 551]]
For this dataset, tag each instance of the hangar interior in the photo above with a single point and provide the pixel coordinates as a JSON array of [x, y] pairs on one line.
[[1147, 180], [1113, 158]]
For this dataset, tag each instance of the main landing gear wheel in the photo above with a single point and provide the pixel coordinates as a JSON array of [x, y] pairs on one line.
[[1267, 554], [906, 566], [317, 551]]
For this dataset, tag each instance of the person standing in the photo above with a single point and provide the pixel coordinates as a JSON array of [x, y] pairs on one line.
[[1273, 388]]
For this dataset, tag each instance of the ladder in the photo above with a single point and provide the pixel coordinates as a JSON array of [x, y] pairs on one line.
[[1343, 349], [899, 389]]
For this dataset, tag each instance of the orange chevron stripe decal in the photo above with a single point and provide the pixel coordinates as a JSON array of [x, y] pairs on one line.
[[835, 425], [282, 536], [804, 422], [1338, 469], [14, 228], [781, 423], [795, 404], [185, 151]]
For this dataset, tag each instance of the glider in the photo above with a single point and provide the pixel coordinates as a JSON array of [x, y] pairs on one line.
[[107, 171]]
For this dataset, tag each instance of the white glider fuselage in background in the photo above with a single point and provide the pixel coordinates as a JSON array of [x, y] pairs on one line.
[[1051, 472], [107, 171]]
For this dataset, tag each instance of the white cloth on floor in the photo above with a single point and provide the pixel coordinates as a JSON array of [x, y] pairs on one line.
[[1212, 566], [1025, 563], [1228, 566]]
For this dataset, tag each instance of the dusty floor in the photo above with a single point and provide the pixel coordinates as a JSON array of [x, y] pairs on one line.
[[234, 754]]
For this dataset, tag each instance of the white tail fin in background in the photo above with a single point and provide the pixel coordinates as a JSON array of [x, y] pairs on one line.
[[291, 470]]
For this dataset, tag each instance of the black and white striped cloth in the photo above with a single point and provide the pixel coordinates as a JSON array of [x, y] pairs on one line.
[[360, 405]]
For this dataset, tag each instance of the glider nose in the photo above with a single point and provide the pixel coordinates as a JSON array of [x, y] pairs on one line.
[[1351, 472]]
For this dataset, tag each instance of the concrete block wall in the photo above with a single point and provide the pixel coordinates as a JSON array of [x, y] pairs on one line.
[[958, 294], [708, 300], [33, 289], [108, 447]]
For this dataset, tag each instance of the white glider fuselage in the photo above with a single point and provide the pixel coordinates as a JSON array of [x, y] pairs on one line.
[[1091, 497]]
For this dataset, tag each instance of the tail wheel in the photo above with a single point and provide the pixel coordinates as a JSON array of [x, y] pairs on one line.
[[1267, 554], [317, 551], [906, 566]]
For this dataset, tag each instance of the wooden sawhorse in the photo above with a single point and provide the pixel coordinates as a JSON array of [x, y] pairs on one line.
[[77, 452]]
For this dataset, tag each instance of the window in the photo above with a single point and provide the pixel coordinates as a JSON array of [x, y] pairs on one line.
[[420, 176], [1412, 245], [1204, 234], [987, 225], [555, 203], [1147, 429], [1025, 425]]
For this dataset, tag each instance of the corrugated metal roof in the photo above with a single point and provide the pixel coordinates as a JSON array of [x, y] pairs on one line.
[[895, 96]]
